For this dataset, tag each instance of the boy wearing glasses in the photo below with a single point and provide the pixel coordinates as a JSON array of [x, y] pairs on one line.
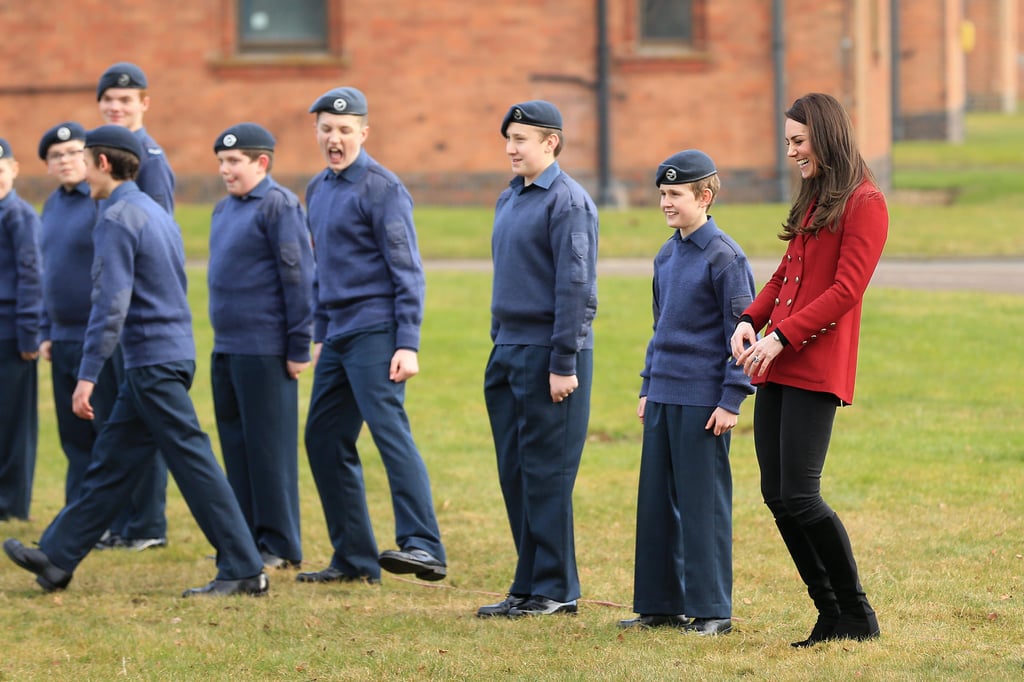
[[140, 302], [69, 214]]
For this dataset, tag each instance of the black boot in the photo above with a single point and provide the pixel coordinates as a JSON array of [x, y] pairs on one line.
[[812, 572], [857, 619]]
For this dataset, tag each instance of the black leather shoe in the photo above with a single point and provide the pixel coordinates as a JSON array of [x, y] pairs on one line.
[[333, 575], [256, 586], [501, 608], [49, 577], [709, 626], [542, 606], [655, 621], [274, 561], [418, 561]]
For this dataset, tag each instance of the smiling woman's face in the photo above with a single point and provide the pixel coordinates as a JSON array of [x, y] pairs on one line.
[[798, 147]]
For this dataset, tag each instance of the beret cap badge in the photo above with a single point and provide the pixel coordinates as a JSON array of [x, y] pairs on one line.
[[124, 79], [63, 133], [340, 104], [689, 165], [230, 140], [539, 113]]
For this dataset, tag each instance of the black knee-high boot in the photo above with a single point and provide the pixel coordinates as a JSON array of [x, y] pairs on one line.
[[813, 573], [857, 619]]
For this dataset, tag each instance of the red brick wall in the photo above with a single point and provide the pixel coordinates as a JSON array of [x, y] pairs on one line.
[[440, 75], [991, 61], [932, 97]]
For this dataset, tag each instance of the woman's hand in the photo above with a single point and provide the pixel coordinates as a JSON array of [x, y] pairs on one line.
[[759, 355]]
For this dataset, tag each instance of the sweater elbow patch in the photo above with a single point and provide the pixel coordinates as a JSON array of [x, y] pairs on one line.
[[739, 304], [398, 244], [580, 253], [27, 257], [290, 253]]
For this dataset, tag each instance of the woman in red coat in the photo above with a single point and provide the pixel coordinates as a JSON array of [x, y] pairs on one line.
[[805, 363]]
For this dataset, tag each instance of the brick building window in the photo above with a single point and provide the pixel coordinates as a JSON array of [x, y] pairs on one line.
[[296, 26], [667, 36], [666, 23]]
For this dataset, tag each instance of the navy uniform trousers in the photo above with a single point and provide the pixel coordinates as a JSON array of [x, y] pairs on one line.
[[143, 515], [77, 435], [257, 409], [683, 516], [350, 386], [19, 430], [153, 410], [539, 445]]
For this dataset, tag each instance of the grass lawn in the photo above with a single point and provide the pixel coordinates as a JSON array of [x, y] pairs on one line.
[[925, 470]]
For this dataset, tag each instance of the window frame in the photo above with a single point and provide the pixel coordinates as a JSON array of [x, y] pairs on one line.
[[312, 46], [232, 62], [640, 55]]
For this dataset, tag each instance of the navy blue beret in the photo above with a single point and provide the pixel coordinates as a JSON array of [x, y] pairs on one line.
[[62, 132], [686, 166], [244, 136], [116, 137], [536, 112], [341, 101], [5, 149], [121, 75]]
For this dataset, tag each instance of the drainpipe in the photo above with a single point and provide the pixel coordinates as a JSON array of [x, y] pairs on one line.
[[605, 195], [896, 50], [779, 67]]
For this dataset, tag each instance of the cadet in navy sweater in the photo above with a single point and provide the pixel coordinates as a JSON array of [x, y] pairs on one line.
[[139, 297], [123, 100], [21, 302], [261, 308], [689, 403], [538, 378], [69, 215], [369, 306]]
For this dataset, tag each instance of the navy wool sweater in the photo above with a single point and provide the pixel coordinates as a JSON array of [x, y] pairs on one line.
[[139, 286], [155, 176], [368, 269], [701, 286], [261, 274], [66, 243], [21, 287], [544, 248]]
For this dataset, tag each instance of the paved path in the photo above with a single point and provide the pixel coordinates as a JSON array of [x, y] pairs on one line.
[[997, 275]]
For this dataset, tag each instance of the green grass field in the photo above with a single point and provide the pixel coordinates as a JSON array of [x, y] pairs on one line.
[[925, 469]]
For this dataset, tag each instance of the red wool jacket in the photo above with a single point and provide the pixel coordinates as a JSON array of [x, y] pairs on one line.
[[815, 298]]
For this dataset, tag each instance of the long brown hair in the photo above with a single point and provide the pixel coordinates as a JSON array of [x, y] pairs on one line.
[[841, 168]]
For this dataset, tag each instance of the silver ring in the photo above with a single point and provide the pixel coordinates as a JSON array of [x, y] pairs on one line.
[[755, 359]]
